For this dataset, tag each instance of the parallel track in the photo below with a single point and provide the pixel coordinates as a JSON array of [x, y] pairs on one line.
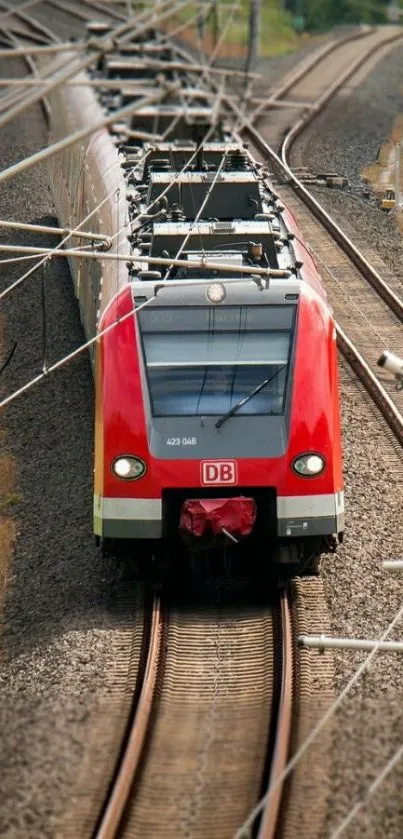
[[34, 27], [368, 310], [290, 85]]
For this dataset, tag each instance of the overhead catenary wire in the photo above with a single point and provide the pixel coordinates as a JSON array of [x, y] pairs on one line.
[[206, 68], [44, 34], [199, 212], [107, 198], [79, 350], [105, 44], [18, 11], [218, 267], [19, 8], [385, 771], [169, 129], [45, 49], [81, 134], [232, 11], [55, 231], [113, 84], [126, 111], [243, 831], [151, 260], [361, 804], [173, 32], [117, 115], [131, 171], [152, 63]]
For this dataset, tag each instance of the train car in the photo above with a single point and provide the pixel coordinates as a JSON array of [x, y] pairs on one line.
[[217, 410]]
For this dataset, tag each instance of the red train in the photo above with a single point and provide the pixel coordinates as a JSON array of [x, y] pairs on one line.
[[217, 410]]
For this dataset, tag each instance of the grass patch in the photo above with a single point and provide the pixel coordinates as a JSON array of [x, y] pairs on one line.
[[10, 500], [7, 539], [277, 33], [7, 476]]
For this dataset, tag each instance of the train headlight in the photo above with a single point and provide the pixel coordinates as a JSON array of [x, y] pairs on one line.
[[309, 465], [128, 468]]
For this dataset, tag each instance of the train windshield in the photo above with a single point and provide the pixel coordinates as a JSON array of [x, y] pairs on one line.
[[202, 360]]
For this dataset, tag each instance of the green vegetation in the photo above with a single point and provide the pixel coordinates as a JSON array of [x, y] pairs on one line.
[[277, 32], [11, 500], [321, 14], [282, 24]]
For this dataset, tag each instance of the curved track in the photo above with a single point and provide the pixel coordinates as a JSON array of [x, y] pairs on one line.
[[368, 310]]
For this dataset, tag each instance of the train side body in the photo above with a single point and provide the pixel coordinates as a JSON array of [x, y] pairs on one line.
[[153, 409]]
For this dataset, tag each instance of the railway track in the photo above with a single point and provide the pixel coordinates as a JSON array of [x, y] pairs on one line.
[[368, 310], [208, 693], [25, 25], [217, 691], [304, 88]]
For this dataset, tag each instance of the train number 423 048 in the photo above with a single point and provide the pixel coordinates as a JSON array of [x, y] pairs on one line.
[[181, 441]]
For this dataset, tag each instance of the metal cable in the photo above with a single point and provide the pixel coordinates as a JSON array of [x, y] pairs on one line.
[[243, 831]]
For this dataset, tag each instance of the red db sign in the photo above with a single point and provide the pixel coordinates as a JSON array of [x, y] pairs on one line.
[[218, 472]]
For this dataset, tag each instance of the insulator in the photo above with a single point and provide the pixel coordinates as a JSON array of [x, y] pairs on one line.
[[255, 250], [177, 213], [235, 160], [159, 165]]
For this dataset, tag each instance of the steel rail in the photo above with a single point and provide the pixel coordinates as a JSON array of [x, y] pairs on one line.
[[117, 800], [350, 352], [306, 68], [270, 816], [281, 164], [106, 43], [373, 386], [33, 23], [106, 10], [83, 133], [74, 9], [359, 260], [11, 11]]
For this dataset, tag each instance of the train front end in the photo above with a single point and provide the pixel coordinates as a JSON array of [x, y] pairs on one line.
[[217, 418]]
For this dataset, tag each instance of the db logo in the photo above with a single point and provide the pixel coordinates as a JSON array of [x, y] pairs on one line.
[[218, 472]]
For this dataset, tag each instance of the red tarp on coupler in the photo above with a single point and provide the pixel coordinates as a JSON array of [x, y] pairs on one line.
[[209, 518]]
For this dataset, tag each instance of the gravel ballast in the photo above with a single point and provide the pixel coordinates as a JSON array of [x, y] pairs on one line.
[[362, 597], [58, 628]]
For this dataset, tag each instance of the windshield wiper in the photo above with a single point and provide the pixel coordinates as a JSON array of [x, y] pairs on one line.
[[246, 398]]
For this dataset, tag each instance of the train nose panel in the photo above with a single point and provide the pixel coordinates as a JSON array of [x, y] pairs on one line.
[[215, 520]]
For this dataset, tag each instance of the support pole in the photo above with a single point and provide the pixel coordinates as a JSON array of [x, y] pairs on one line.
[[250, 270], [105, 44], [115, 84], [17, 9], [398, 188], [254, 33], [323, 642], [393, 565], [56, 231], [83, 133]]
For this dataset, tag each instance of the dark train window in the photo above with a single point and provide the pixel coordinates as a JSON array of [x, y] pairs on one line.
[[202, 361]]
